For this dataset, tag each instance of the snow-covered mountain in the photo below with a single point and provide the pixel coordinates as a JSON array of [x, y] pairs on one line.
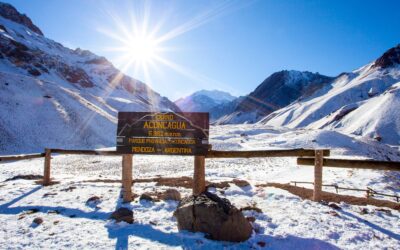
[[52, 96], [206, 101], [364, 102], [275, 92]]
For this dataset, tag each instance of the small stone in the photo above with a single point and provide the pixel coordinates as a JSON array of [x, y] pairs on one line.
[[261, 243], [56, 222], [93, 201], [251, 208], [53, 212], [364, 211], [49, 194], [146, 196], [122, 214], [334, 206], [171, 194], [32, 211], [240, 183], [38, 220], [68, 189], [333, 213], [386, 211]]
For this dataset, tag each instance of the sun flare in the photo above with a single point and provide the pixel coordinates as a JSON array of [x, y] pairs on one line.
[[140, 45], [141, 49]]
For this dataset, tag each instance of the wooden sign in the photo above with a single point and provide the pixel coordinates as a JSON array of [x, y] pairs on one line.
[[168, 133]]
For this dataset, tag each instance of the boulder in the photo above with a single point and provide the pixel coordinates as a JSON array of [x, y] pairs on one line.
[[214, 216], [171, 194], [122, 214]]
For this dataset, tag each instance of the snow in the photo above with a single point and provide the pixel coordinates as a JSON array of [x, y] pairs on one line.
[[211, 101], [57, 113], [49, 111], [286, 221], [364, 90]]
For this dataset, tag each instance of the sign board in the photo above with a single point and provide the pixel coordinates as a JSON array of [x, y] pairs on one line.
[[170, 133]]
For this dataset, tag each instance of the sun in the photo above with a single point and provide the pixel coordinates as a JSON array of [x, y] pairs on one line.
[[141, 49], [141, 41]]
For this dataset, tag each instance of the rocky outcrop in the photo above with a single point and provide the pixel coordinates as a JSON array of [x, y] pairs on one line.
[[214, 216], [389, 58], [76, 75], [9, 12]]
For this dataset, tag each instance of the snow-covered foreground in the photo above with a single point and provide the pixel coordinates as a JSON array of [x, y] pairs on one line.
[[286, 221]]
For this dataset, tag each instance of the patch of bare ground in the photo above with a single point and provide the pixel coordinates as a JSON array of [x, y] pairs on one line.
[[307, 193]]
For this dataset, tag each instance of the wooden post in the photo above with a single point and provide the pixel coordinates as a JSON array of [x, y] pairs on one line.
[[127, 177], [46, 173], [199, 178], [319, 159]]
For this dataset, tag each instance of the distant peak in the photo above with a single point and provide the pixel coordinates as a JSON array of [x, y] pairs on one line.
[[214, 94], [9, 12], [390, 58]]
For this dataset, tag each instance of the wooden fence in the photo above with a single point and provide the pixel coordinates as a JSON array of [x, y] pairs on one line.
[[305, 157]]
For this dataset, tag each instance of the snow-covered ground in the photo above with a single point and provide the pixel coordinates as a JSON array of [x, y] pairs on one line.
[[286, 221]]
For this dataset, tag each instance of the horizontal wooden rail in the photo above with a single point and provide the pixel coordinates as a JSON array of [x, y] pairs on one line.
[[264, 153], [20, 157], [210, 154], [360, 164], [85, 152]]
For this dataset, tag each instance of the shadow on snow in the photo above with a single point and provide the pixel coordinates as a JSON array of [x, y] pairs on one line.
[[186, 240]]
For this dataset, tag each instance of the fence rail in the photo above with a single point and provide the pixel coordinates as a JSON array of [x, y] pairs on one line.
[[264, 153], [305, 157], [360, 164], [84, 152], [369, 191], [211, 154], [20, 157]]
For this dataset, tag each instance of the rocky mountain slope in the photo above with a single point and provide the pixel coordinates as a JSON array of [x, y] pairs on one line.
[[206, 101], [52, 96], [277, 91], [364, 102]]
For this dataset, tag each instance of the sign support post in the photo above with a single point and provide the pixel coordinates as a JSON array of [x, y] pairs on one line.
[[319, 159], [46, 173], [199, 178], [127, 177]]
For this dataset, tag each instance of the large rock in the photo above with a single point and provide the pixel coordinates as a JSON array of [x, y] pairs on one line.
[[214, 216]]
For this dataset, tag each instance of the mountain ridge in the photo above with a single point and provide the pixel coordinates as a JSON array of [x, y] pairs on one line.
[[346, 106], [276, 91], [71, 97]]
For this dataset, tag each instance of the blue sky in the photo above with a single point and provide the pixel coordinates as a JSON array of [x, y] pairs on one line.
[[232, 45]]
